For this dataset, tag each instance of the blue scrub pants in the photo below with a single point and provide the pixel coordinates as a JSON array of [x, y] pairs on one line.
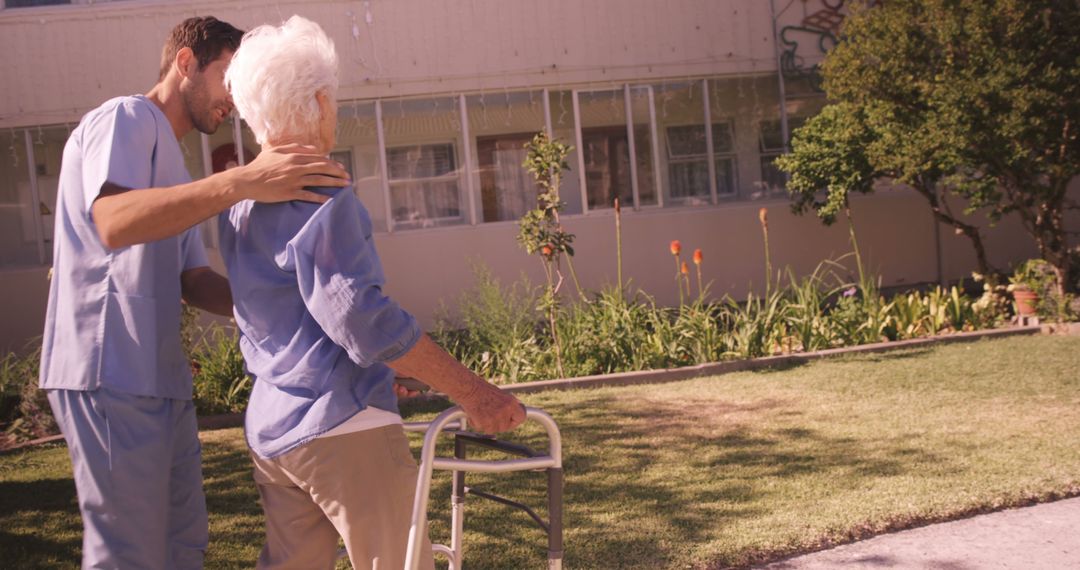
[[138, 472]]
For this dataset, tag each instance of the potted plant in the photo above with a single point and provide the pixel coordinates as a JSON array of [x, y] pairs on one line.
[[1028, 282]]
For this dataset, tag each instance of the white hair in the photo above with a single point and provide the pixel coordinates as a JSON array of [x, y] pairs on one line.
[[275, 74]]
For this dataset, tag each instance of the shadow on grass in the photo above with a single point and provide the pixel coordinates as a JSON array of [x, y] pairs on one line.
[[39, 523], [647, 481], [890, 355], [236, 518]]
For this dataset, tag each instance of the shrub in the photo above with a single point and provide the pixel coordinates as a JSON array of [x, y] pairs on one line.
[[757, 326], [26, 406], [808, 325], [496, 330], [221, 383], [609, 334]]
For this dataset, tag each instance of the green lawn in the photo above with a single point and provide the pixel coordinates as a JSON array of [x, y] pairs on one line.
[[705, 473]]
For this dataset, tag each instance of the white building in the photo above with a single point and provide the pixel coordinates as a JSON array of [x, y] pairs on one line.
[[437, 99]]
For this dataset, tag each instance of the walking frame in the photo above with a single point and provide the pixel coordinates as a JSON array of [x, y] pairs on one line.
[[453, 421]]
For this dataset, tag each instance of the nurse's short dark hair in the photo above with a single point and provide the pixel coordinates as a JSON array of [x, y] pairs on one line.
[[207, 37]]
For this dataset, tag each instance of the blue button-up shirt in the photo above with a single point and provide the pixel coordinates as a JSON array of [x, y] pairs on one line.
[[315, 325], [113, 317]]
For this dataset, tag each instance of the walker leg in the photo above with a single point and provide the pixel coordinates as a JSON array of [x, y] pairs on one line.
[[555, 518], [457, 508]]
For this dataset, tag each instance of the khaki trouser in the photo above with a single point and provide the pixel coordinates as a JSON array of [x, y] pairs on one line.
[[358, 486]]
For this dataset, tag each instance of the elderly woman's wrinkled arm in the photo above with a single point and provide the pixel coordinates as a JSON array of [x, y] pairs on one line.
[[489, 409]]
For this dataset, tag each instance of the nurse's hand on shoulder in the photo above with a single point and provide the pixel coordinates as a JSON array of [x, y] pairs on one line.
[[279, 174], [490, 410]]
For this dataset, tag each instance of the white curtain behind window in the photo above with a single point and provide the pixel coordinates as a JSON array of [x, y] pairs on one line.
[[516, 187], [424, 189]]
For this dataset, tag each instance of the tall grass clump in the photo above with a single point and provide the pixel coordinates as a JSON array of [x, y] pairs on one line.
[[495, 331], [221, 382], [24, 410]]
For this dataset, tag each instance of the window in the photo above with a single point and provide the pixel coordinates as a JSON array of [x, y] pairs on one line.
[[502, 124], [606, 154], [507, 190], [48, 148], [345, 158], [426, 181], [358, 150], [607, 166], [688, 167], [771, 145], [605, 148], [424, 189], [18, 230]]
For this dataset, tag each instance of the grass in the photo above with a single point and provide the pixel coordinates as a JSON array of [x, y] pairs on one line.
[[707, 473]]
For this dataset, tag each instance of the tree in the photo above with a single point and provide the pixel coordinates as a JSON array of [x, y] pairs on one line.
[[540, 231], [977, 99]]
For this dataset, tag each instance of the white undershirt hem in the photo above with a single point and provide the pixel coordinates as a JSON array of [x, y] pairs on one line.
[[368, 418]]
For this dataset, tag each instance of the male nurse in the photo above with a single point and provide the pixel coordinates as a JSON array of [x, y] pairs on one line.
[[127, 253]]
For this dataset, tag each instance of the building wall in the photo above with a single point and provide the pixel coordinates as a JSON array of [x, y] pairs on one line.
[[895, 231], [431, 64], [70, 58]]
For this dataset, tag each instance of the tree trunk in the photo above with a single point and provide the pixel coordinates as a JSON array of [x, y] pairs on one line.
[[1047, 226], [942, 215]]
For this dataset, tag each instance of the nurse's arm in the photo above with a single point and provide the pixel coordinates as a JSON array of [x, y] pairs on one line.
[[206, 289], [125, 218]]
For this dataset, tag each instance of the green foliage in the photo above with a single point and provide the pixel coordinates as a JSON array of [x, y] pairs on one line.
[[807, 302], [13, 373], [541, 232], [757, 326], [221, 383], [495, 331], [700, 334], [978, 99], [1039, 276], [1034, 275], [26, 411], [540, 227], [605, 335], [498, 337], [829, 153], [190, 331]]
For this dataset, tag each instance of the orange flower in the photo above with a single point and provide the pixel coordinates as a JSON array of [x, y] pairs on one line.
[[763, 215], [685, 269], [546, 251], [697, 257], [676, 247]]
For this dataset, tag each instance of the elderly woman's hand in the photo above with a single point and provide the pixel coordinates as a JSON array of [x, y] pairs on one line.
[[490, 410], [279, 174]]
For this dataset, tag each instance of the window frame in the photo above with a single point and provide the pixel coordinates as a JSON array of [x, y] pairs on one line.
[[481, 141], [768, 154], [730, 155], [455, 175]]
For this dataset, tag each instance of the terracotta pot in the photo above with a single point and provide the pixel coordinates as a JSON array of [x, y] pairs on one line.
[[1026, 300]]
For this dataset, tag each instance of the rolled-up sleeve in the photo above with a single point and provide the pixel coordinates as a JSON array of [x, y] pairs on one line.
[[192, 250], [340, 280], [118, 147]]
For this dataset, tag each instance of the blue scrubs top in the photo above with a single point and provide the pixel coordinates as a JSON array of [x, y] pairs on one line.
[[315, 325], [113, 316]]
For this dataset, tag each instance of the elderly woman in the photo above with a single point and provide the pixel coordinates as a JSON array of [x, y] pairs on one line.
[[321, 339]]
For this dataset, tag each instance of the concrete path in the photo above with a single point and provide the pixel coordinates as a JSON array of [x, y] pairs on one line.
[[1043, 537]]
